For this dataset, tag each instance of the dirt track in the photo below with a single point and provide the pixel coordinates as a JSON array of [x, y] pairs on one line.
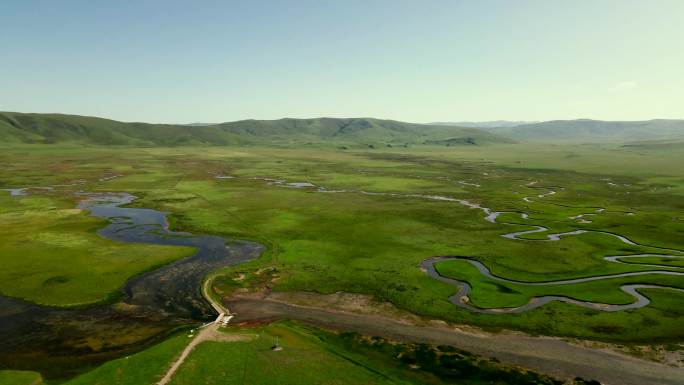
[[543, 354], [204, 334]]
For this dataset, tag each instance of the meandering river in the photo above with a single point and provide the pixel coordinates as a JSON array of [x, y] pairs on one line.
[[60, 342], [461, 298]]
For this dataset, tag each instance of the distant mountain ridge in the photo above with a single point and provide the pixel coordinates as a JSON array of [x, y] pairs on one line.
[[199, 124], [59, 128], [341, 132], [595, 131], [487, 124]]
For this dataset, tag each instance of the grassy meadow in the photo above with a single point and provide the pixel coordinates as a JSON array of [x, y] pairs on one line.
[[489, 293], [309, 356], [51, 254], [356, 240], [145, 367], [17, 377]]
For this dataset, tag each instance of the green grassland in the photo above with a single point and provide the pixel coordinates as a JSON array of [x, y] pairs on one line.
[[145, 367], [489, 293], [51, 255], [17, 377], [309, 356], [373, 244], [304, 361], [312, 356], [660, 261]]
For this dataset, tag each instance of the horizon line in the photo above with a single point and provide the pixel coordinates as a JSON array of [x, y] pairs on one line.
[[434, 122]]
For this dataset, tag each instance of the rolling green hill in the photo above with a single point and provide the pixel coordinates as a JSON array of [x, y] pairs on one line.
[[58, 128], [595, 131]]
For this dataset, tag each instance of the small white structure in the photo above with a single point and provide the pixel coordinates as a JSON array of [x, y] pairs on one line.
[[277, 347], [223, 319]]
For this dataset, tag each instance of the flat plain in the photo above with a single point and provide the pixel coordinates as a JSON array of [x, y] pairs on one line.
[[361, 221]]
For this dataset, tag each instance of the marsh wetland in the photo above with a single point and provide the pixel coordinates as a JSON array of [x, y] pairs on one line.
[[60, 341], [509, 243]]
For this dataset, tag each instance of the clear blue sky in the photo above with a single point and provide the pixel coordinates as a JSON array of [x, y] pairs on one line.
[[420, 61]]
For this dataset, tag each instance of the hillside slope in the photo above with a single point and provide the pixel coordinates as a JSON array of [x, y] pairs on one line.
[[595, 131], [58, 128]]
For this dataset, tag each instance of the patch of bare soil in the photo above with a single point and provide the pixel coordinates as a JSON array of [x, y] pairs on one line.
[[670, 355], [555, 356], [364, 304]]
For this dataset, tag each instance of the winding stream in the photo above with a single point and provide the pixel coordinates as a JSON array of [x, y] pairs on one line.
[[461, 298], [60, 342]]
